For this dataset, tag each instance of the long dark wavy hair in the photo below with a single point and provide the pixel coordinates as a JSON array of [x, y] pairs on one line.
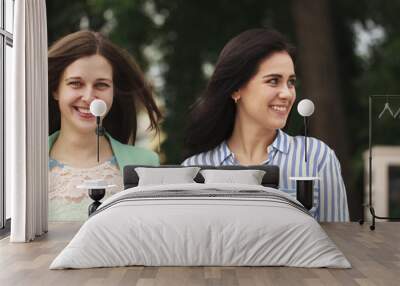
[[130, 86], [212, 116]]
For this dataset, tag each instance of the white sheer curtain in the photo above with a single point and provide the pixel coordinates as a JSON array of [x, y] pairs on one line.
[[27, 123]]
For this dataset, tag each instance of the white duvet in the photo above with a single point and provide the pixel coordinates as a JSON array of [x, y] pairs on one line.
[[184, 230]]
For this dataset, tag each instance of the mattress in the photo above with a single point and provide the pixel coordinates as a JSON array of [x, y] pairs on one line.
[[201, 225]]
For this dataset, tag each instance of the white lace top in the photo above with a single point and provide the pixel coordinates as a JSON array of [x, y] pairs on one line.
[[68, 203]]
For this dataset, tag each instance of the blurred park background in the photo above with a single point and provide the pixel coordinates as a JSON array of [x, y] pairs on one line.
[[346, 51]]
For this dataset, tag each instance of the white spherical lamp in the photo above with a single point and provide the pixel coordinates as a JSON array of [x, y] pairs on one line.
[[98, 107], [305, 107]]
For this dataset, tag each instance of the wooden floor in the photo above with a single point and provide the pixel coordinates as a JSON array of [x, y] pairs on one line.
[[374, 255]]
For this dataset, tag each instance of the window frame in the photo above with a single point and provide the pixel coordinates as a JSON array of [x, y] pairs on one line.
[[6, 39]]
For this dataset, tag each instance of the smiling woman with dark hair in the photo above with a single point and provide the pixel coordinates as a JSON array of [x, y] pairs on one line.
[[85, 66], [239, 118]]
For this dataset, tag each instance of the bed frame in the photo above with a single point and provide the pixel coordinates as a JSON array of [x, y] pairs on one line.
[[270, 179]]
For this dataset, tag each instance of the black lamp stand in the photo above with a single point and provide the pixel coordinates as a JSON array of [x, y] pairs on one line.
[[99, 132], [96, 195], [305, 137]]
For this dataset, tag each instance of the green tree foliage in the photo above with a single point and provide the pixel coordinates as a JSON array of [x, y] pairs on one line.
[[64, 17]]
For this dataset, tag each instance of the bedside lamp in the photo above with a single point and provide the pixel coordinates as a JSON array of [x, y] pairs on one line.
[[304, 185]]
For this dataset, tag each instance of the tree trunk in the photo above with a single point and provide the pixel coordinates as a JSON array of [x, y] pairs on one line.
[[318, 67]]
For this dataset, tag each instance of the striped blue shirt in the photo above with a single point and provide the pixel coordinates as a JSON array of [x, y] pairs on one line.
[[287, 152]]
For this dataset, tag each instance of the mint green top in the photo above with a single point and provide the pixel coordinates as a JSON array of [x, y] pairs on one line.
[[124, 154], [67, 202]]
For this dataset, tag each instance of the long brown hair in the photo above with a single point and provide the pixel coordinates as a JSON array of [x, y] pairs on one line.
[[212, 116], [129, 83]]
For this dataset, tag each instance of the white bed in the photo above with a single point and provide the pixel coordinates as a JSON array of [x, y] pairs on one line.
[[203, 225]]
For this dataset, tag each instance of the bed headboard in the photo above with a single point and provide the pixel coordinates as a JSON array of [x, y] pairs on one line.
[[270, 179]]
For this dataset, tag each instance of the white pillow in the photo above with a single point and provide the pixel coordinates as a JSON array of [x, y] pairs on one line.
[[248, 177], [162, 176]]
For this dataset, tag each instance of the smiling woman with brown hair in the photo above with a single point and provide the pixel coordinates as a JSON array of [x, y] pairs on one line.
[[84, 66], [239, 118]]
